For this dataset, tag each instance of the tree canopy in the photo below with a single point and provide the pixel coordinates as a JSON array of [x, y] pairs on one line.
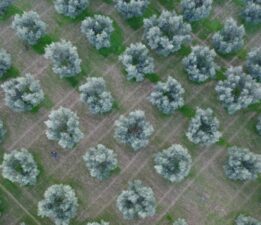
[[5, 62]]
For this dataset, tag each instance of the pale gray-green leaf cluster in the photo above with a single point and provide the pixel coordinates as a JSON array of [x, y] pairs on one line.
[[5, 62]]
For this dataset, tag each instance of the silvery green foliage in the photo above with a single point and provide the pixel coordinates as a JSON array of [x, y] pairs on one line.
[[23, 93], [258, 125], [200, 65], [2, 131], [242, 164], [71, 8], [230, 38], [63, 126], [194, 10], [137, 62], [138, 202], [5, 62], [59, 204], [204, 128], [4, 4], [254, 63], [133, 130], [238, 91], [20, 167], [100, 161], [247, 220], [131, 8], [99, 223], [29, 27], [95, 95], [64, 57], [165, 34], [180, 222], [173, 163], [252, 11], [167, 96], [98, 30]]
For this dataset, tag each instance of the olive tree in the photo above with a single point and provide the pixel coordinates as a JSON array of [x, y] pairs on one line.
[[238, 90], [180, 221], [95, 95], [5, 62], [194, 10], [242, 164], [138, 202], [23, 93], [173, 163], [246, 220], [137, 62], [29, 27], [252, 11], [63, 127], [200, 65], [98, 223], [167, 96], [165, 34], [131, 8], [253, 63], [100, 161], [70, 8], [59, 204], [258, 125], [133, 130], [230, 38], [20, 167], [4, 4], [2, 131], [204, 128], [98, 30], [64, 57]]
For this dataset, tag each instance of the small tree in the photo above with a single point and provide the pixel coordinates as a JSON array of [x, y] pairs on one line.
[[173, 163], [252, 11], [99, 223], [258, 125], [254, 64], [59, 204], [5, 62], [133, 130], [230, 38], [2, 131], [29, 27], [137, 62], [95, 95], [100, 161], [204, 128], [4, 4], [238, 91], [64, 57], [98, 30], [165, 34], [20, 167], [247, 220], [138, 202], [242, 164], [200, 65], [194, 10], [180, 222], [131, 8], [23, 93], [167, 96], [63, 127], [70, 8]]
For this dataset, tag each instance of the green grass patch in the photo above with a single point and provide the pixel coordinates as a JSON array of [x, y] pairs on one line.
[[223, 142], [62, 20], [11, 73], [108, 1], [76, 80], [169, 217], [206, 27], [47, 104], [183, 51], [153, 77], [240, 3], [242, 54], [169, 4], [187, 111], [220, 74], [3, 203], [252, 27], [254, 107], [10, 11], [42, 43], [115, 105]]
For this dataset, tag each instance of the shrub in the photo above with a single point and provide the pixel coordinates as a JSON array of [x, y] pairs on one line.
[[5, 62], [133, 130], [253, 63], [252, 11], [165, 34], [180, 222], [2, 131], [204, 128], [136, 202], [63, 127], [23, 93], [95, 95], [20, 167], [4, 4], [59, 204], [247, 220], [137, 62], [258, 125]]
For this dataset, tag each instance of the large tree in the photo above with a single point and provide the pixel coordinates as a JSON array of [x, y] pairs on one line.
[[137, 62], [20, 167], [63, 126], [204, 128], [252, 11], [173, 163], [23, 93], [253, 63], [2, 131], [5, 62], [95, 95], [165, 34], [4, 4], [246, 220], [167, 96], [64, 57], [242, 164], [133, 130], [59, 204], [138, 202], [100, 161]]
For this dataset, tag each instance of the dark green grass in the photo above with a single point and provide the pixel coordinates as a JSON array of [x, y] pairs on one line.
[[42, 43], [220, 74], [187, 111], [47, 104], [76, 80], [62, 20], [153, 77], [10, 11], [170, 4], [11, 73]]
